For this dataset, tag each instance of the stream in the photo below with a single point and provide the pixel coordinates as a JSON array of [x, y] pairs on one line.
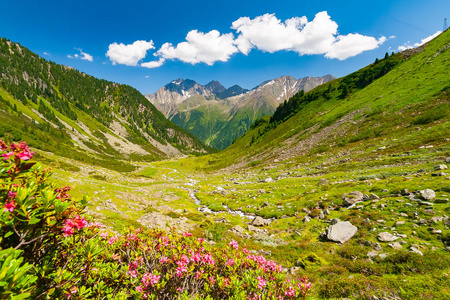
[[206, 209]]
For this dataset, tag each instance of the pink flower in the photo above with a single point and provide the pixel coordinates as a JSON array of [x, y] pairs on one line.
[[96, 225], [181, 270], [9, 206], [79, 222], [261, 283], [245, 251], [139, 289], [25, 155], [290, 292], [207, 259], [199, 274], [150, 279], [68, 230], [113, 240], [211, 279], [226, 281], [234, 244], [104, 235], [186, 234], [163, 259], [230, 262], [7, 155], [12, 195]]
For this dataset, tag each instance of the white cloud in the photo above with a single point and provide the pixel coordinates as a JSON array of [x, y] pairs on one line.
[[153, 64], [82, 55], [46, 53], [201, 47], [130, 54], [407, 45], [319, 36], [352, 44]]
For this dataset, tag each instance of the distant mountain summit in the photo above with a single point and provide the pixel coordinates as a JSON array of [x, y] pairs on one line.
[[217, 115]]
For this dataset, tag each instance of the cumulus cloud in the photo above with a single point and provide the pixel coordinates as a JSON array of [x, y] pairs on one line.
[[46, 53], [82, 55], [319, 36], [407, 45], [201, 47], [266, 33], [351, 45], [130, 54], [153, 64]]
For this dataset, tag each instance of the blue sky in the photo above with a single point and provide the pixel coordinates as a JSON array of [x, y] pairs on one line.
[[147, 44]]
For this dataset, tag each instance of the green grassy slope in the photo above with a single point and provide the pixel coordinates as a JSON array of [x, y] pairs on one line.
[[409, 103]]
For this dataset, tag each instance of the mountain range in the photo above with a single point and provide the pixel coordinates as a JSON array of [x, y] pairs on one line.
[[217, 115]]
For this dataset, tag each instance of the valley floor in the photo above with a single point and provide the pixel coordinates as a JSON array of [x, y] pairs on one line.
[[294, 203]]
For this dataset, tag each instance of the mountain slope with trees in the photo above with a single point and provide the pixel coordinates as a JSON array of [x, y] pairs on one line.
[[60, 109]]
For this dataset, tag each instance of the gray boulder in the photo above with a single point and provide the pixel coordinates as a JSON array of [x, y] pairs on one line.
[[341, 232], [258, 221], [352, 197], [386, 237], [427, 194], [440, 167]]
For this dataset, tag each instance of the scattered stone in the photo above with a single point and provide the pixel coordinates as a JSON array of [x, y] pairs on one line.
[[267, 180], [266, 203], [386, 237], [366, 221], [262, 191], [341, 232], [375, 246], [294, 270], [403, 236], [385, 191], [400, 223], [374, 196], [257, 230], [239, 231], [352, 197], [403, 215], [426, 203], [415, 250], [326, 211], [447, 160], [440, 167], [427, 194], [395, 245], [383, 255], [258, 221], [334, 221], [439, 174], [436, 219], [372, 254], [306, 219], [323, 181], [429, 211], [437, 231]]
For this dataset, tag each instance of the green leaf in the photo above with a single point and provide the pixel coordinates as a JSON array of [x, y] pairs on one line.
[[34, 220]]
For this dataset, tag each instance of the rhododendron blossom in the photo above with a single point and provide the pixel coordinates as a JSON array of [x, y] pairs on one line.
[[234, 244], [10, 206], [261, 282]]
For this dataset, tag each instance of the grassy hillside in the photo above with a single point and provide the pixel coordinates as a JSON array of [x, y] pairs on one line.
[[59, 109]]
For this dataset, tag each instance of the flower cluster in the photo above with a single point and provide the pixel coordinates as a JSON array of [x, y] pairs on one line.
[[75, 223], [18, 151]]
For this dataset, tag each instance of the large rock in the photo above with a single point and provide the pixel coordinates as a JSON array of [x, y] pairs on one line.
[[258, 221], [352, 197], [427, 194], [341, 232], [440, 167], [386, 237]]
